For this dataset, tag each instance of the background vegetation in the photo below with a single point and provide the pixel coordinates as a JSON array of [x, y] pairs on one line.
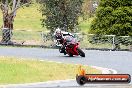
[[29, 18], [113, 17]]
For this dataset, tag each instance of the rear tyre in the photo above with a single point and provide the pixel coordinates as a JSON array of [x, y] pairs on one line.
[[71, 55], [81, 53]]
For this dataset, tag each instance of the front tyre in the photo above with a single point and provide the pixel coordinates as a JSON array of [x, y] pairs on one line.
[[81, 53], [60, 49]]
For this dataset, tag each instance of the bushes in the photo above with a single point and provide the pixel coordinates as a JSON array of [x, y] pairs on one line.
[[61, 13], [113, 17]]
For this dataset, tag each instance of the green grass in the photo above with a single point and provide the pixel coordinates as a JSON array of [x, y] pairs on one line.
[[26, 35], [85, 25], [86, 44], [28, 18], [19, 70]]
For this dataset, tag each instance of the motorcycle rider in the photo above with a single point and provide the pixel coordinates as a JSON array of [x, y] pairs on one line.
[[60, 37]]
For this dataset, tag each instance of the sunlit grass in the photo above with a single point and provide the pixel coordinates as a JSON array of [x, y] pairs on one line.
[[85, 25], [28, 18], [20, 70]]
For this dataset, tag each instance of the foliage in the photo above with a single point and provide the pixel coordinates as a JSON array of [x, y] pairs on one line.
[[89, 7], [113, 17], [61, 13], [40, 1]]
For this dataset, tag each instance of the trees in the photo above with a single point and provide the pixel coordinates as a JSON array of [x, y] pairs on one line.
[[113, 17], [89, 7], [61, 13], [9, 9]]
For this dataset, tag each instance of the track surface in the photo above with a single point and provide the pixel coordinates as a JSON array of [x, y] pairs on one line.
[[118, 60]]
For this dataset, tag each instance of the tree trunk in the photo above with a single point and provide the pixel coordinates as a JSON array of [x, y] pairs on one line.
[[7, 29], [9, 8], [6, 35]]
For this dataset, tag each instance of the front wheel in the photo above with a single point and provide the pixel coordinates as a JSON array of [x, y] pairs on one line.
[[60, 49], [81, 53]]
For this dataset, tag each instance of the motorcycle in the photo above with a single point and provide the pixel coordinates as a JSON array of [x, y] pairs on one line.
[[71, 47]]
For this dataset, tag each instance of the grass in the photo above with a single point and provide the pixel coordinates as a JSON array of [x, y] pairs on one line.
[[28, 37], [19, 70], [84, 43], [22, 35], [28, 18], [85, 25]]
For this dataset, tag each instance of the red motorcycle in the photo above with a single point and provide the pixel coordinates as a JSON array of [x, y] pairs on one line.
[[72, 47]]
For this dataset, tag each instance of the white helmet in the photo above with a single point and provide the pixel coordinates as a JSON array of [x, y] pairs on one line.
[[58, 33], [58, 30]]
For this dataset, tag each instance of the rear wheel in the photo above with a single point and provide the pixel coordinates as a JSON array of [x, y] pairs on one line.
[[81, 53], [71, 55]]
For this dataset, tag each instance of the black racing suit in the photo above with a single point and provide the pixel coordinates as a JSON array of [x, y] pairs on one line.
[[62, 41]]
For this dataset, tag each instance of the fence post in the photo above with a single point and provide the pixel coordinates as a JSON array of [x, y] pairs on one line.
[[113, 42], [130, 47], [42, 35]]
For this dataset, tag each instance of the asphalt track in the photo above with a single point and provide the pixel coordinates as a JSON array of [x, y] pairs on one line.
[[118, 60]]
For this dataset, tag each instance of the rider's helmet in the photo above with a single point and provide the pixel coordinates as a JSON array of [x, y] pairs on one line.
[[58, 33]]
